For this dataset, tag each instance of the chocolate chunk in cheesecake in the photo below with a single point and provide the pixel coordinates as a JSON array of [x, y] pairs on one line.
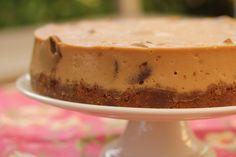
[[144, 71]]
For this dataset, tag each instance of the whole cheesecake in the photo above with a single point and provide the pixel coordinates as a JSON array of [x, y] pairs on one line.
[[158, 62]]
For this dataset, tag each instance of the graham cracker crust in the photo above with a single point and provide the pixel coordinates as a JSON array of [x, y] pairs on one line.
[[215, 96]]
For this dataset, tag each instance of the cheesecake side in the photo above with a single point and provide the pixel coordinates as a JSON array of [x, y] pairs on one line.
[[141, 72]]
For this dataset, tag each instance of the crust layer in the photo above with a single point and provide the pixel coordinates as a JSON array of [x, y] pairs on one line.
[[216, 95]]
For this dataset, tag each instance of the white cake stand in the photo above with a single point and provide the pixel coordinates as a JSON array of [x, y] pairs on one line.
[[150, 132]]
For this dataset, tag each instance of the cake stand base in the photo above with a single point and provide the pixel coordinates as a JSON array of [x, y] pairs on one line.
[[158, 139]]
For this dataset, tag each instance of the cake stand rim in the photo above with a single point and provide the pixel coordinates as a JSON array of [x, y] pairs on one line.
[[130, 113]]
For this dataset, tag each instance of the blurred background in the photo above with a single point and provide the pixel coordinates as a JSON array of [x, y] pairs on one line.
[[19, 18]]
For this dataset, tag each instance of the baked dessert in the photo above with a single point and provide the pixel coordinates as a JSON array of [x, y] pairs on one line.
[[159, 62]]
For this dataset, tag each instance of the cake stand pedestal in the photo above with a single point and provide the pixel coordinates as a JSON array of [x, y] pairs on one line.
[[150, 132], [157, 139]]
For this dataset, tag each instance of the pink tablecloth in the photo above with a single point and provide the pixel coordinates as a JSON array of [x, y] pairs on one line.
[[31, 129]]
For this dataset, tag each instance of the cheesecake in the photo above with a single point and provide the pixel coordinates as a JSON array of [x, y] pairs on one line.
[[152, 62]]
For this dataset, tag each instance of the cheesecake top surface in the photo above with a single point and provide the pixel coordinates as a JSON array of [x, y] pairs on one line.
[[154, 32]]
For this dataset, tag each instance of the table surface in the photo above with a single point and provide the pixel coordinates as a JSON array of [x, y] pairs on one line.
[[31, 129]]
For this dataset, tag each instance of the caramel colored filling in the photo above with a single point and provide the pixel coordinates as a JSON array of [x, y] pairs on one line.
[[184, 70]]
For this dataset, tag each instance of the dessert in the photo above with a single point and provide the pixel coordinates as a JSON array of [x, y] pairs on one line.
[[158, 62]]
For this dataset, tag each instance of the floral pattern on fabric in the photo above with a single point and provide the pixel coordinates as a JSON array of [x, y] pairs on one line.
[[31, 129]]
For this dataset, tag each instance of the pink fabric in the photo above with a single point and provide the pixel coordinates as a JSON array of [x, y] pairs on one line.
[[31, 129]]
